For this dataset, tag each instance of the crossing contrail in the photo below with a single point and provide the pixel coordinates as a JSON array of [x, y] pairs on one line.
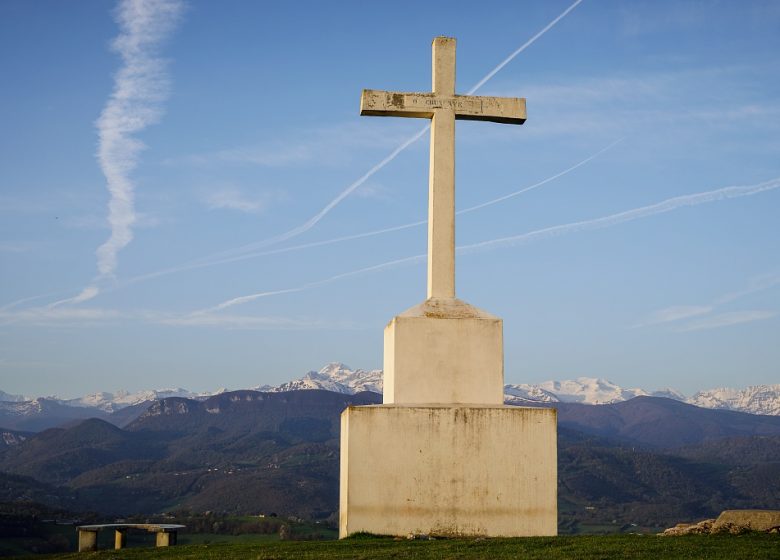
[[524, 46], [311, 222], [140, 88], [613, 219], [597, 223], [312, 244], [251, 297]]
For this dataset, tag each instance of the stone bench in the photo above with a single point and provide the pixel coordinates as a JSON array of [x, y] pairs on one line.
[[166, 534]]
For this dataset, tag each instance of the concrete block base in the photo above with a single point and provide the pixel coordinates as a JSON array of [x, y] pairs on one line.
[[448, 470], [444, 351]]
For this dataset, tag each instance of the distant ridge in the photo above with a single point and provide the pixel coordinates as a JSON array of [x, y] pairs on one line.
[[648, 460], [759, 399], [121, 407], [335, 377]]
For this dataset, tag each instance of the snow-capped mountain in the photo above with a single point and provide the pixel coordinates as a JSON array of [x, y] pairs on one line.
[[106, 402], [340, 378], [588, 390], [7, 397], [758, 399], [762, 399], [335, 377], [111, 402]]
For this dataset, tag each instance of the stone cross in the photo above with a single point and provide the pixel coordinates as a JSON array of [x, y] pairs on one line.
[[443, 107]]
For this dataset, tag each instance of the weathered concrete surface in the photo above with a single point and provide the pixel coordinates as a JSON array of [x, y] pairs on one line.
[[442, 106], [753, 519], [487, 471], [165, 538], [120, 538], [87, 541], [506, 110], [444, 351], [443, 455], [165, 534]]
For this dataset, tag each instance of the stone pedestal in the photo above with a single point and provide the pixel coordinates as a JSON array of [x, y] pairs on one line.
[[444, 351], [442, 455], [448, 470]]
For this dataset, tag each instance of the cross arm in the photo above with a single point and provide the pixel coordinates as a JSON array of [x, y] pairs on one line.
[[508, 110]]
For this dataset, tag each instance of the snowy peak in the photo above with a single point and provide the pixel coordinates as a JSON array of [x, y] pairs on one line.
[[336, 377], [7, 397], [587, 390], [758, 399], [340, 378], [111, 402], [590, 390]]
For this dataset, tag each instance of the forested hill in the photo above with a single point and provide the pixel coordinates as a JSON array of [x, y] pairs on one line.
[[649, 461]]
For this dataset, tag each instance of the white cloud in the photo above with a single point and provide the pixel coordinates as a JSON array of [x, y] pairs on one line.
[[246, 322], [100, 222], [232, 198], [681, 312], [58, 316], [726, 320], [85, 295], [755, 285], [624, 103], [140, 87], [328, 146], [675, 313], [373, 191], [64, 316]]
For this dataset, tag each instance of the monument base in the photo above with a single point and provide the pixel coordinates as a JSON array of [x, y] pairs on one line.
[[463, 345], [448, 470]]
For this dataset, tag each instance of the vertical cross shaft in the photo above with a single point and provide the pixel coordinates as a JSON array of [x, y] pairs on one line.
[[443, 107], [441, 182]]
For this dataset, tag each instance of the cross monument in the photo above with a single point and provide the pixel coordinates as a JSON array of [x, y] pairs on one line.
[[443, 106], [443, 455]]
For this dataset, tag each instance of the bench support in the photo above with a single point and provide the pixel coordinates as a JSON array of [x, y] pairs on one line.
[[166, 538], [120, 539], [87, 540]]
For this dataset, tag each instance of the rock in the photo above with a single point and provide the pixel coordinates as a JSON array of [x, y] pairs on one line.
[[732, 522], [700, 528], [750, 519]]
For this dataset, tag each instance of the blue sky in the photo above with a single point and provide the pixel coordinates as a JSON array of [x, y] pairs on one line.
[[225, 130]]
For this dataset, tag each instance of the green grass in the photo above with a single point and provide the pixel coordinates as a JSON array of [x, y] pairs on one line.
[[748, 547]]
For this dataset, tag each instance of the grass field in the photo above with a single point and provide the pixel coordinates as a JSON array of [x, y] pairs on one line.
[[748, 547]]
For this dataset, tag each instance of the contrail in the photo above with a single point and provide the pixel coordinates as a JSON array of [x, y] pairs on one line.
[[543, 182], [140, 88], [527, 44], [613, 219], [597, 223], [251, 297], [246, 299], [306, 226], [19, 302], [85, 295], [255, 254]]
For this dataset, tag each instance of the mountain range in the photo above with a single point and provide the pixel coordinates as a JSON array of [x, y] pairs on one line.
[[34, 414], [648, 461]]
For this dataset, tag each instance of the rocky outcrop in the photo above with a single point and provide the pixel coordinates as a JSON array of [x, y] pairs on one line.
[[731, 521]]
